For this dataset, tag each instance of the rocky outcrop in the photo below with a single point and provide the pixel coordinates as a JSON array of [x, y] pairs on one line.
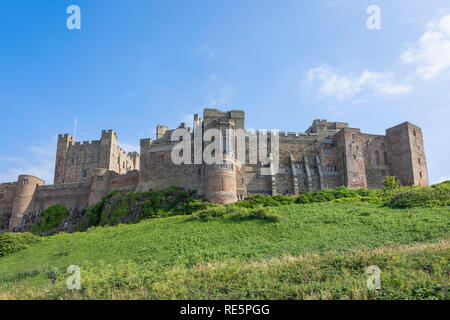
[[75, 217], [4, 221]]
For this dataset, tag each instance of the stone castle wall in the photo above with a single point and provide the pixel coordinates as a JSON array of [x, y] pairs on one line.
[[76, 162], [326, 155]]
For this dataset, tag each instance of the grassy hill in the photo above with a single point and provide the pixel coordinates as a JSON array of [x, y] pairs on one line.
[[313, 251]]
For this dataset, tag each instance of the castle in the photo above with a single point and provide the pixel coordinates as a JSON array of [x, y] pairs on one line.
[[327, 155]]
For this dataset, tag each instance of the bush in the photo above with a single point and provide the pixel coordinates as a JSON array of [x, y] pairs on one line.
[[415, 196], [256, 200], [51, 218], [390, 183], [13, 242], [234, 212]]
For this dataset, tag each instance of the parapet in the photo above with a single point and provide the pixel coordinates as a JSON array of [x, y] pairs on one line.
[[108, 133], [323, 125], [146, 143]]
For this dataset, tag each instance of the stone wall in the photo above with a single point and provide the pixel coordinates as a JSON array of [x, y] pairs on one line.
[[76, 162], [327, 155], [7, 194]]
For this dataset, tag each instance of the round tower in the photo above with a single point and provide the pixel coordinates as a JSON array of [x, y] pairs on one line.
[[220, 184], [221, 181], [26, 188]]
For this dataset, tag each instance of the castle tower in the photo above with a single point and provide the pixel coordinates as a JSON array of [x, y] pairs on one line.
[[350, 148], [26, 188], [64, 141], [409, 164], [220, 186]]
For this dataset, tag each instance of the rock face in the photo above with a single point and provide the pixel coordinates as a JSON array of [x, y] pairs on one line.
[[4, 222], [75, 216]]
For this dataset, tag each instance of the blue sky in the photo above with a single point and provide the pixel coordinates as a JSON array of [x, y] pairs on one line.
[[135, 64]]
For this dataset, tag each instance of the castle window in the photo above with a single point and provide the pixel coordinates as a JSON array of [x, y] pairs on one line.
[[299, 165], [331, 168], [25, 181], [223, 184], [328, 151], [418, 147], [419, 161], [199, 171], [84, 173], [73, 160], [354, 156], [420, 173], [329, 141], [123, 165], [414, 133], [99, 179], [353, 136], [377, 158], [385, 157], [93, 157], [382, 145]]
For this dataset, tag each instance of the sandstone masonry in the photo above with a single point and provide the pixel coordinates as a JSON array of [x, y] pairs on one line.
[[327, 155]]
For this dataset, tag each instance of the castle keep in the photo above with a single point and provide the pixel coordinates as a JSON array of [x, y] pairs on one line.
[[326, 155]]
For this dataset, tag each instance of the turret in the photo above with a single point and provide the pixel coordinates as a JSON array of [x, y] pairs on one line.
[[409, 164], [221, 178], [64, 141], [26, 188]]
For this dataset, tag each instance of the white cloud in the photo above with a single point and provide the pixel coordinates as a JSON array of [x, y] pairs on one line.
[[330, 83], [431, 54], [39, 162]]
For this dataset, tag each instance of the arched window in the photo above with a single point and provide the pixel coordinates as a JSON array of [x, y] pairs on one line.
[[377, 158]]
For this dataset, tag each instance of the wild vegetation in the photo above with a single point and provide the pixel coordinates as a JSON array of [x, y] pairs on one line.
[[262, 248], [13, 242]]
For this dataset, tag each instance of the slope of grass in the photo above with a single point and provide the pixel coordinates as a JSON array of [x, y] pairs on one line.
[[138, 261]]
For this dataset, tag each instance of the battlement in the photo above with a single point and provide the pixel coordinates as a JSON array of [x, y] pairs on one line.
[[323, 125], [108, 133], [282, 134]]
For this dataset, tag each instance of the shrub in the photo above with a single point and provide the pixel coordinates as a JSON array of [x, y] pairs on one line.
[[52, 217], [390, 183], [94, 213], [415, 196], [256, 200], [234, 212], [13, 242]]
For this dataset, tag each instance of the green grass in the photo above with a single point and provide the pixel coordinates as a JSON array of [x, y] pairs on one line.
[[139, 260]]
